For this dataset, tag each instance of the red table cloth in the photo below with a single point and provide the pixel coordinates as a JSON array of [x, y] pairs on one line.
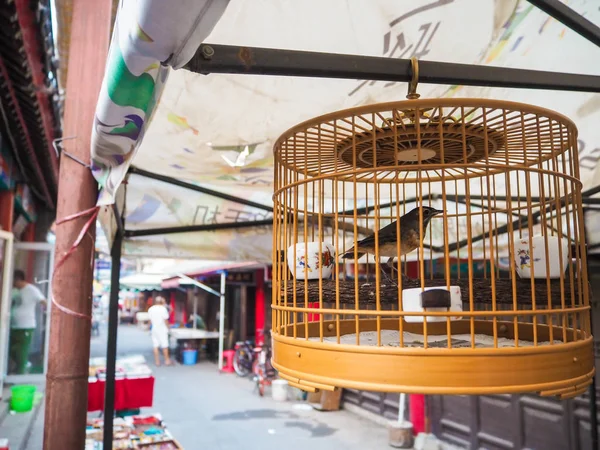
[[130, 393]]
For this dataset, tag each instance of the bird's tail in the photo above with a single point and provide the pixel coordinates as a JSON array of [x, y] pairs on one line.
[[350, 254]]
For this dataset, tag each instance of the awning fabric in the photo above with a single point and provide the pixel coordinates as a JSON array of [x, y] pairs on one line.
[[217, 131], [142, 281], [207, 268]]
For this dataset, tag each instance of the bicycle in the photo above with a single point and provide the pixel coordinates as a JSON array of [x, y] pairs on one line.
[[244, 358], [264, 372]]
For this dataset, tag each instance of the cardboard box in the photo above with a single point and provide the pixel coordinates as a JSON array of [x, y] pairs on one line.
[[328, 401]]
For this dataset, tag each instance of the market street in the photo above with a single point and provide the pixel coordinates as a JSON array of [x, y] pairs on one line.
[[207, 410]]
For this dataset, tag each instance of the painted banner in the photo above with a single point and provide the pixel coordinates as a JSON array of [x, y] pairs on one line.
[[218, 130]]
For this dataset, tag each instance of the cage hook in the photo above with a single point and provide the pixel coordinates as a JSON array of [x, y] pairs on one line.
[[412, 85]]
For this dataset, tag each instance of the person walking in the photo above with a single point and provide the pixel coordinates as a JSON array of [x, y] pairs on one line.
[[159, 318], [23, 323]]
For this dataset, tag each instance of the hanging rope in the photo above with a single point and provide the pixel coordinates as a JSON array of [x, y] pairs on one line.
[[92, 213]]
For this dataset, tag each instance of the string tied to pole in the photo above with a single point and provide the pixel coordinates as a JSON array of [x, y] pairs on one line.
[[92, 213]]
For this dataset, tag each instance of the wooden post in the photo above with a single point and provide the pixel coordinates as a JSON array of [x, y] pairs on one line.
[[7, 209], [400, 435], [417, 412], [68, 358], [244, 312], [173, 306]]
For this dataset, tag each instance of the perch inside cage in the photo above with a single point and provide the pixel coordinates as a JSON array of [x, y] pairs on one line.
[[404, 192]]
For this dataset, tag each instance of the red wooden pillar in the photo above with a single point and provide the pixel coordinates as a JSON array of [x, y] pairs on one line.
[[417, 412], [412, 269], [7, 209], [172, 302], [68, 349], [29, 233], [313, 317], [184, 310], [29, 236], [416, 401], [259, 308]]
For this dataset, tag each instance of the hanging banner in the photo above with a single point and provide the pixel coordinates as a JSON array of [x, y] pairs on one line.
[[218, 130], [147, 33]]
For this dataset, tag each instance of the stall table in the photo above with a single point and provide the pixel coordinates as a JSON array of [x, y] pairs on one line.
[[130, 393], [134, 384], [182, 335], [134, 432]]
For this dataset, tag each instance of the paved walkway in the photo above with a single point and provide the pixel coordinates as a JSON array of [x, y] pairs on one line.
[[221, 411], [208, 410], [24, 431]]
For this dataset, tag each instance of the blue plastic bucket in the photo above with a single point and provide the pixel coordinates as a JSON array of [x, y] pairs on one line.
[[190, 357]]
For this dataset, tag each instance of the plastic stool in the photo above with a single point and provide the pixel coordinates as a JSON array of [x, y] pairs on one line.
[[228, 360]]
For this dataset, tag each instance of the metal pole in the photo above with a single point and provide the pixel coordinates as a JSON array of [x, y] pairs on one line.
[[267, 61], [198, 284], [222, 319], [593, 393], [193, 187], [196, 228], [401, 408], [195, 304], [69, 350], [593, 398], [111, 345], [570, 18]]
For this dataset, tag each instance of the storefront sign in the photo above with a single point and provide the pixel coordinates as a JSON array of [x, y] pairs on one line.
[[240, 277], [233, 278]]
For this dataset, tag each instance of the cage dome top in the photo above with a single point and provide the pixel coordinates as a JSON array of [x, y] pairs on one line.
[[487, 135]]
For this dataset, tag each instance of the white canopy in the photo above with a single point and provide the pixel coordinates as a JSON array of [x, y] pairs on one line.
[[142, 281], [218, 131]]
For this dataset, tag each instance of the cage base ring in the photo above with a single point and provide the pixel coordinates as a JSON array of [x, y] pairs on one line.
[[561, 367]]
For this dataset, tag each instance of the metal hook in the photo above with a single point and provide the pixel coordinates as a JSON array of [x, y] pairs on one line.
[[67, 154], [57, 140], [412, 85]]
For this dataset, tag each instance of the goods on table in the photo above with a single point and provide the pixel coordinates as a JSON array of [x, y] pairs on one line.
[[127, 367], [136, 432]]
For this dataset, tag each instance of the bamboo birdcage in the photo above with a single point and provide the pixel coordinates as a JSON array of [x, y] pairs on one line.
[[506, 176]]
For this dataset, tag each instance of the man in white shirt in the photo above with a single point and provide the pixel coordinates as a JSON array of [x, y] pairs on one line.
[[159, 317], [23, 321]]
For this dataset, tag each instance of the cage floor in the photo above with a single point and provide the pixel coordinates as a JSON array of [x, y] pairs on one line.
[[391, 338]]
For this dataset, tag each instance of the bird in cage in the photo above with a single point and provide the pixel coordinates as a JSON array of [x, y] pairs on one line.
[[410, 238]]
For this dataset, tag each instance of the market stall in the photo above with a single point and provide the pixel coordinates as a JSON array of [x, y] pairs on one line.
[[183, 339], [135, 432], [134, 384]]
